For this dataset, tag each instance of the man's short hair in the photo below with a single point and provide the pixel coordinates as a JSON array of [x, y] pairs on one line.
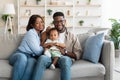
[[58, 14]]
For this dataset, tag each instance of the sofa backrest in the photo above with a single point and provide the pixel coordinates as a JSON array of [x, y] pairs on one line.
[[83, 37], [8, 44]]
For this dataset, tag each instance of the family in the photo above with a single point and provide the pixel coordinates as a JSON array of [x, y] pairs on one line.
[[54, 48]]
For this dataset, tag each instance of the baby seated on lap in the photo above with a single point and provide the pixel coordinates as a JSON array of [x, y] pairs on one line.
[[51, 46]]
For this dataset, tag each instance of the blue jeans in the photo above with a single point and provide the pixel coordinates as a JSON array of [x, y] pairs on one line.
[[64, 63], [23, 66]]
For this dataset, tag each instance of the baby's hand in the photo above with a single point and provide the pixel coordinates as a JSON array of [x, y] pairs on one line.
[[56, 44]]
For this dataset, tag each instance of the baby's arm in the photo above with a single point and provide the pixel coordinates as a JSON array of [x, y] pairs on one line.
[[47, 45], [62, 45]]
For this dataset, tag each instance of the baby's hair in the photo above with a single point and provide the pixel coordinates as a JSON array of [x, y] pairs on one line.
[[52, 29]]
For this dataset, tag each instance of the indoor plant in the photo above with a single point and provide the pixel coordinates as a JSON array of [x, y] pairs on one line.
[[81, 22], [4, 17], [38, 2], [115, 35], [88, 2], [49, 11]]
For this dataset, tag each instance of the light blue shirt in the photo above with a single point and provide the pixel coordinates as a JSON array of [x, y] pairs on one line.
[[31, 43]]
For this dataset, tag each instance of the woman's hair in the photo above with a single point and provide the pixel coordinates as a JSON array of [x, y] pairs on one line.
[[32, 21]]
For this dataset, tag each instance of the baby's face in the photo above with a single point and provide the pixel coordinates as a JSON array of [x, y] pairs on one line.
[[54, 35]]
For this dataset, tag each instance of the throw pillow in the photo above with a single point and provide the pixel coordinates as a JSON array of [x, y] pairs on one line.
[[83, 37], [93, 48]]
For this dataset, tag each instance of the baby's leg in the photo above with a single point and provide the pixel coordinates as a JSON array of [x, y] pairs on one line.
[[55, 59]]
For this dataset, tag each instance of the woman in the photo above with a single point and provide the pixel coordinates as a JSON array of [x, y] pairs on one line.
[[23, 60]]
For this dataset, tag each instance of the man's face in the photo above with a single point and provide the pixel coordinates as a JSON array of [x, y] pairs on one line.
[[59, 23]]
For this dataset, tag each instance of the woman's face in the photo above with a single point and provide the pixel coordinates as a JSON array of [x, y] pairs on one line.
[[39, 25]]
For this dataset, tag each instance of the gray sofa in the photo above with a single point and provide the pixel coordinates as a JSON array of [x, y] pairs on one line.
[[80, 70]]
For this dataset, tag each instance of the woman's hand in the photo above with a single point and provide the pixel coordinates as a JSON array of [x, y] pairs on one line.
[[48, 45]]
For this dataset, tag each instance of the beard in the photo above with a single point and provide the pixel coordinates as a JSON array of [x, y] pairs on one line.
[[61, 29]]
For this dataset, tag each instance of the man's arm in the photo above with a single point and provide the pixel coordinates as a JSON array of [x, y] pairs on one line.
[[43, 38], [73, 46], [44, 35], [70, 54], [67, 53]]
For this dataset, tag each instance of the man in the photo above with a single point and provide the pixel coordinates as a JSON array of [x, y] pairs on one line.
[[72, 52]]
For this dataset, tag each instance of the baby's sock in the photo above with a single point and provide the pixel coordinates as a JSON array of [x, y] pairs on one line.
[[52, 66]]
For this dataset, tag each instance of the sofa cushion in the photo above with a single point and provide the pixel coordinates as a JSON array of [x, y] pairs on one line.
[[5, 69], [8, 44], [87, 69], [84, 68], [93, 48]]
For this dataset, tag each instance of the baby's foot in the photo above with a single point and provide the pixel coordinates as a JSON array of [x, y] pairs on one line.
[[52, 66]]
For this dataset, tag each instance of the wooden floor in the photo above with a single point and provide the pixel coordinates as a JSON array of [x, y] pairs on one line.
[[116, 75]]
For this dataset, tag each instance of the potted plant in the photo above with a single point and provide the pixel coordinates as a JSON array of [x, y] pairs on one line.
[[88, 2], [81, 22], [38, 2], [49, 11], [4, 17], [115, 35]]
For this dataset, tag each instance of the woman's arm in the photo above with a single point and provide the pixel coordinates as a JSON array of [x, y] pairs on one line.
[[33, 43], [47, 45]]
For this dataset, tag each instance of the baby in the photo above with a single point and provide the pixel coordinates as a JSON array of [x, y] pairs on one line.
[[51, 46]]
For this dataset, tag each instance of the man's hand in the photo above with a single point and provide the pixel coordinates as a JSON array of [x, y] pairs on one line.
[[62, 50]]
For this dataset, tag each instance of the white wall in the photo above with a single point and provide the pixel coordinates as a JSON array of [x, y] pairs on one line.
[[110, 9]]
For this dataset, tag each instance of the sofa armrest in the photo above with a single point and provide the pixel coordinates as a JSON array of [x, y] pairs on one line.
[[107, 58]]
